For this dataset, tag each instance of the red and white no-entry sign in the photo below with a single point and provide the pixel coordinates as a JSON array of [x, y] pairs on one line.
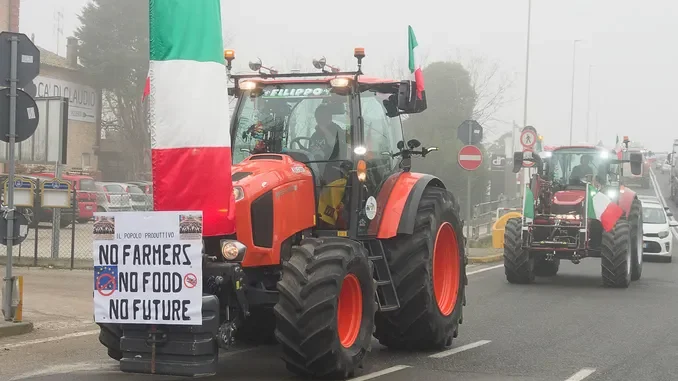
[[528, 163], [470, 157]]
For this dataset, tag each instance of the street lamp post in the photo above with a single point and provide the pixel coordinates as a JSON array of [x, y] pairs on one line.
[[574, 61], [588, 108]]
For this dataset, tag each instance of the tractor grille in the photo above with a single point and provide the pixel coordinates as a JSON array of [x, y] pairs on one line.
[[262, 220], [652, 247]]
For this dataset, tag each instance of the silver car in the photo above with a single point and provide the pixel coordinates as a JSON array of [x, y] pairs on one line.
[[112, 197], [138, 198]]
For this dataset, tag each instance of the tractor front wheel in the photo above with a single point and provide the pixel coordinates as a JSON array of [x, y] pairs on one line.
[[429, 273], [616, 256], [519, 266], [325, 312], [636, 224]]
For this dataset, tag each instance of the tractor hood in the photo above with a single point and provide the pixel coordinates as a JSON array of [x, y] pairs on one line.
[[569, 197], [266, 171]]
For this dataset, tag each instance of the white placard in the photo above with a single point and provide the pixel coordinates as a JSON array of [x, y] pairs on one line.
[[56, 199], [82, 99], [148, 268], [23, 197]]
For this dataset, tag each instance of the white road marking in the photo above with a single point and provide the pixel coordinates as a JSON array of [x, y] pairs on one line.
[[484, 269], [100, 367], [459, 349], [582, 374], [380, 373], [49, 339]]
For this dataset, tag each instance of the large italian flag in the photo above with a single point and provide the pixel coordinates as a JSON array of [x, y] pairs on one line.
[[188, 109], [600, 207], [415, 62]]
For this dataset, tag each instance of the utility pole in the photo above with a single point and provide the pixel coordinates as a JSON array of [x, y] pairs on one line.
[[588, 108], [58, 28], [574, 67]]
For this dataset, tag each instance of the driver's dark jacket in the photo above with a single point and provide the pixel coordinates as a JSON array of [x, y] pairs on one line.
[[319, 141], [580, 171]]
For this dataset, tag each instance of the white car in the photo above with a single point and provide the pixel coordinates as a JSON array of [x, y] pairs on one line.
[[657, 225]]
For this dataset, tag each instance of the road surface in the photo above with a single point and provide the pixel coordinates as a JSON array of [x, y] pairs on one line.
[[566, 328]]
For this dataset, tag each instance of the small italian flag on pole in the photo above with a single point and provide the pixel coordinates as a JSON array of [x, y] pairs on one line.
[[188, 107], [601, 208], [415, 62], [528, 205]]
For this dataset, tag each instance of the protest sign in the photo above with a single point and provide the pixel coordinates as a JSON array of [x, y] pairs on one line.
[[148, 268]]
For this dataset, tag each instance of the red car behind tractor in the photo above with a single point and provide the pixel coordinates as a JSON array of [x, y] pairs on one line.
[[561, 227]]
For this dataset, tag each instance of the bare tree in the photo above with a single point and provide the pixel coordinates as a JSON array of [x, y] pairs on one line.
[[491, 85]]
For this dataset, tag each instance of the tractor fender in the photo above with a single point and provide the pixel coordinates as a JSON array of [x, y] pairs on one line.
[[400, 196], [626, 197]]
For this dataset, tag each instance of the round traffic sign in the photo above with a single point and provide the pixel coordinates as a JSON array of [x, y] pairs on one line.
[[470, 158], [527, 163], [528, 138]]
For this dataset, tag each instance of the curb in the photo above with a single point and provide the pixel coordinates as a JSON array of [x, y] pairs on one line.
[[13, 329], [486, 259]]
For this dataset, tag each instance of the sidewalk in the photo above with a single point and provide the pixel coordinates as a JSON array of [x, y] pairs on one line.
[[56, 302], [485, 255]]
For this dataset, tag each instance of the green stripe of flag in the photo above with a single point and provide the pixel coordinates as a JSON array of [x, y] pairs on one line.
[[411, 43], [186, 30]]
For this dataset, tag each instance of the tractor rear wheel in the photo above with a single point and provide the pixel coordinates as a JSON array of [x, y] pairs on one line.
[[545, 268], [636, 223], [519, 266], [616, 256], [109, 336], [325, 312], [429, 272]]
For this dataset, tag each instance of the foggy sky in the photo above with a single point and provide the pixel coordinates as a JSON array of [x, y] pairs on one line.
[[632, 48]]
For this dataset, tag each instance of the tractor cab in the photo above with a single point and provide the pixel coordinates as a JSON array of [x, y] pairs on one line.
[[331, 123]]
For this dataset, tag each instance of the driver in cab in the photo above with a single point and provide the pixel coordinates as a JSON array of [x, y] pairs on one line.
[[582, 170], [324, 140]]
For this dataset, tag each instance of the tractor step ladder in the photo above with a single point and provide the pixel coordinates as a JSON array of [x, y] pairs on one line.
[[387, 297]]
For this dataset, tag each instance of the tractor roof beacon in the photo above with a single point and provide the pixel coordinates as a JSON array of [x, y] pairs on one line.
[[328, 225], [561, 226]]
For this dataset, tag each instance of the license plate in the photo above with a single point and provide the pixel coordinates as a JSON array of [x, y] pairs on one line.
[[88, 207]]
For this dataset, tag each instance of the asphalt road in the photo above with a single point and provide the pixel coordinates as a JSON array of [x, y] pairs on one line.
[[566, 328]]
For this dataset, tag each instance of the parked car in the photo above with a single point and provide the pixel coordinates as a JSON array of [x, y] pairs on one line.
[[138, 198], [112, 197], [657, 225], [86, 193], [147, 188], [37, 213]]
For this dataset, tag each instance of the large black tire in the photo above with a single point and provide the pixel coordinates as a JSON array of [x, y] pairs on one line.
[[422, 323], [636, 223], [544, 268], [616, 256], [307, 322], [518, 263], [109, 336]]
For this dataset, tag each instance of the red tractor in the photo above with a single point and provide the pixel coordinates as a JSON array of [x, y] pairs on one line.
[[561, 226], [336, 239]]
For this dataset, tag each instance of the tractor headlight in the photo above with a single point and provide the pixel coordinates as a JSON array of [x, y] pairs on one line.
[[232, 249], [238, 193], [663, 234], [612, 193], [340, 82]]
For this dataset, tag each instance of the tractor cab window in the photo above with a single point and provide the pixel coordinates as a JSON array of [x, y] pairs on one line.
[[576, 166], [382, 134], [308, 119]]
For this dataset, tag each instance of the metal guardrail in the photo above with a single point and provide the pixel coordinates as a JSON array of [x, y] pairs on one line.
[[486, 213]]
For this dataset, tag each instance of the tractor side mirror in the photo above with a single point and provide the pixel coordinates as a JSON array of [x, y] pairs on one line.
[[408, 99], [517, 161], [636, 160]]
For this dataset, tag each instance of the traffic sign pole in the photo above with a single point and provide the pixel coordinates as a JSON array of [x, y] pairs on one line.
[[468, 202], [9, 280]]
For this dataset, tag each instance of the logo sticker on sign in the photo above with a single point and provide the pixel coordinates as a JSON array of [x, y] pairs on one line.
[[148, 268]]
